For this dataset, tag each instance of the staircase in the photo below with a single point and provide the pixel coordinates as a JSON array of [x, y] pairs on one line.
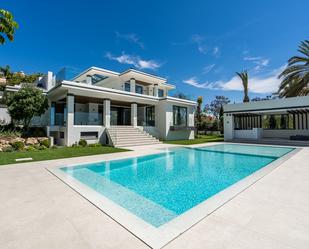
[[127, 136]]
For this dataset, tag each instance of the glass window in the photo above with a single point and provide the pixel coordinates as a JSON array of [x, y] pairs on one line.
[[180, 116], [160, 93], [277, 121], [139, 89], [127, 87], [150, 116]]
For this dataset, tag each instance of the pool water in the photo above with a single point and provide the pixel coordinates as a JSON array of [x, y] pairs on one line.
[[160, 187]]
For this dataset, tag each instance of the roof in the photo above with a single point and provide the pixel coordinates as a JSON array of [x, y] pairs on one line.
[[269, 105]]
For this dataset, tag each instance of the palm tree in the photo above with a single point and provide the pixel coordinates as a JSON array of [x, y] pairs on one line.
[[244, 78], [7, 26], [296, 75], [6, 71]]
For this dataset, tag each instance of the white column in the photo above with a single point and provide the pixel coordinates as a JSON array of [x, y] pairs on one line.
[[134, 114], [155, 90], [107, 113], [228, 120], [132, 85], [70, 119]]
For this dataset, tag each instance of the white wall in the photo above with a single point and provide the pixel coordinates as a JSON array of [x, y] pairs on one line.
[[228, 123], [4, 115]]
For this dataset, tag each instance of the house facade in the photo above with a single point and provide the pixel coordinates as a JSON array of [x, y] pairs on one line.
[[285, 119], [96, 102]]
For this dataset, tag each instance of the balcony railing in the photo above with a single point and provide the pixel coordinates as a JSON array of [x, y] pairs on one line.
[[88, 118]]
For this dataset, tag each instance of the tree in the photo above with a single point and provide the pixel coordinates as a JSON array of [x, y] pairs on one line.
[[215, 106], [199, 112], [244, 78], [295, 77], [7, 26], [28, 102], [6, 71], [216, 109]]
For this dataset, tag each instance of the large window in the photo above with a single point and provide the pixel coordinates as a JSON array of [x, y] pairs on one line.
[[139, 89], [127, 87], [180, 115], [150, 116], [160, 92], [278, 121]]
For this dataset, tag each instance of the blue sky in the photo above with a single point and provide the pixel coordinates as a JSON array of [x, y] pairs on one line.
[[196, 45]]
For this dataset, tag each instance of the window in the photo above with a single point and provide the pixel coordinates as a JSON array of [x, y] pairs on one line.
[[180, 116], [160, 92], [150, 116], [139, 89], [127, 87], [89, 135], [278, 121]]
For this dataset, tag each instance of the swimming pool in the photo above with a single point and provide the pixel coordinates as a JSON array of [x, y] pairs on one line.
[[160, 187]]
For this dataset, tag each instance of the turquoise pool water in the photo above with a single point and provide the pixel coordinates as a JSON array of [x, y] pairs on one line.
[[158, 188]]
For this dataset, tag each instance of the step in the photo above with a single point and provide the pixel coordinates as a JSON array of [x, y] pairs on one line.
[[134, 144], [135, 140]]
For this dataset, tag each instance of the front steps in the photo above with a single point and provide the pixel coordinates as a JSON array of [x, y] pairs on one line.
[[127, 136]]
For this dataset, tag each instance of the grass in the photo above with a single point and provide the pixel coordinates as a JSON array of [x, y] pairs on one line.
[[49, 154], [199, 140]]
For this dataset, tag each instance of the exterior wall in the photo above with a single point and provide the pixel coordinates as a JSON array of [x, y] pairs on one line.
[[164, 120], [284, 133], [255, 133], [228, 123], [4, 115]]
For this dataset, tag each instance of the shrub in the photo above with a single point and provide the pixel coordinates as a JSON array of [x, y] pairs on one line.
[[18, 145], [82, 142], [95, 145], [45, 142], [54, 147], [30, 148], [8, 149], [42, 147]]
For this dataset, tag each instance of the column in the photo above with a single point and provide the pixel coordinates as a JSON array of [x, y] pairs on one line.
[[155, 90], [134, 114], [107, 113], [70, 119], [132, 85]]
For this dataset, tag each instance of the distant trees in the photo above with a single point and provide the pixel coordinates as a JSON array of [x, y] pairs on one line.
[[15, 78], [198, 113], [8, 26], [215, 109], [244, 78], [295, 77]]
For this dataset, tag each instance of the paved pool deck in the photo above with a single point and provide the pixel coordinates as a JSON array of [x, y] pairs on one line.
[[38, 210]]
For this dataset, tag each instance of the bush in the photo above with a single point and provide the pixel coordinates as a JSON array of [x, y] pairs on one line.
[[54, 147], [95, 145], [82, 142], [30, 148], [42, 147], [8, 149], [18, 145], [45, 142]]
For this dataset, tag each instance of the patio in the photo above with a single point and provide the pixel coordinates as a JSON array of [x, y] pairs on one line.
[[40, 211]]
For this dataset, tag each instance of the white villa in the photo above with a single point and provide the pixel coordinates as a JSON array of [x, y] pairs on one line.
[[284, 121], [120, 109]]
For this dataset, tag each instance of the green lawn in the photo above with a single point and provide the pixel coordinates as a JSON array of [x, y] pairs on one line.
[[49, 154], [199, 140]]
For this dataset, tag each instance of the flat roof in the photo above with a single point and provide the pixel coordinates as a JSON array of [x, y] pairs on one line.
[[268, 105]]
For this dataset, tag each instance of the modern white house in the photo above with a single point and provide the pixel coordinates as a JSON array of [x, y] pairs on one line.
[[120, 109], [283, 120]]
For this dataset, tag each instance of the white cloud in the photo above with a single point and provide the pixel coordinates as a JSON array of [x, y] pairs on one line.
[[193, 82], [216, 51], [259, 61], [136, 61], [131, 38], [208, 68], [257, 84], [199, 41]]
